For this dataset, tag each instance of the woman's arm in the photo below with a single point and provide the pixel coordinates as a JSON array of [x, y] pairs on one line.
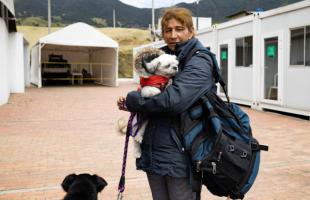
[[194, 80]]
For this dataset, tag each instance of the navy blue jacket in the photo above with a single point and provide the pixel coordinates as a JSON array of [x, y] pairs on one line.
[[162, 152]]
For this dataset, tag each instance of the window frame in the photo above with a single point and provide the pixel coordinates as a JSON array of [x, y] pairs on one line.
[[307, 26], [304, 49], [5, 15], [1, 10], [243, 52]]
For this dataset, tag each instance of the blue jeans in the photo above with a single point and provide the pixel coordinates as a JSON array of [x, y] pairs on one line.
[[170, 188]]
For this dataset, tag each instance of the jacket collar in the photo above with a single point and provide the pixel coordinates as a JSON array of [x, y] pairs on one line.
[[180, 47], [183, 49]]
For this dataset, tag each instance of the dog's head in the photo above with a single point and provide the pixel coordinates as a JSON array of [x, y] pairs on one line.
[[147, 61], [79, 183], [164, 65]]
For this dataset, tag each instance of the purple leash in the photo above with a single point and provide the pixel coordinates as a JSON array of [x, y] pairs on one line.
[[132, 129]]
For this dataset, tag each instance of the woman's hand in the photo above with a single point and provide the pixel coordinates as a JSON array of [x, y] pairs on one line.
[[121, 103]]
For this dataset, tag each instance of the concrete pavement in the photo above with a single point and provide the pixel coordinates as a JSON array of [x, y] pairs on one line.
[[48, 133]]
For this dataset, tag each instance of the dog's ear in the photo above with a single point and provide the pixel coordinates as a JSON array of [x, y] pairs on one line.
[[153, 65], [100, 182], [68, 181]]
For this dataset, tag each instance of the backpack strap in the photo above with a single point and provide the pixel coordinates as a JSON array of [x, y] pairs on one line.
[[195, 178], [216, 69], [259, 147]]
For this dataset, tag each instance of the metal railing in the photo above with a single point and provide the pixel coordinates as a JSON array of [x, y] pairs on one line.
[[62, 71]]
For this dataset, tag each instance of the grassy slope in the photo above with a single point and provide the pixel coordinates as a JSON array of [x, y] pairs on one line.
[[126, 37]]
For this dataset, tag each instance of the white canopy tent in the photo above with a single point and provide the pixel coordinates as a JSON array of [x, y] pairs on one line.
[[83, 47]]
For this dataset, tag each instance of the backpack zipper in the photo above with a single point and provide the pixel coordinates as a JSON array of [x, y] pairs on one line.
[[213, 167]]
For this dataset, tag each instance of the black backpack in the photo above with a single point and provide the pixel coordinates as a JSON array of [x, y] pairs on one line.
[[217, 136]]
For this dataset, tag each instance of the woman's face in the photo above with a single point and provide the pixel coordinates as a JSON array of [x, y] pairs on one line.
[[175, 32]]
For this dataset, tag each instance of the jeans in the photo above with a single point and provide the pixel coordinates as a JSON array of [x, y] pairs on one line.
[[170, 188]]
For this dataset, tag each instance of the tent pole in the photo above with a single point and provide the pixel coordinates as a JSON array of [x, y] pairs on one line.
[[101, 73], [40, 72]]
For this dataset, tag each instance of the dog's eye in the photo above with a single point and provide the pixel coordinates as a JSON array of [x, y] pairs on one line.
[[167, 66]]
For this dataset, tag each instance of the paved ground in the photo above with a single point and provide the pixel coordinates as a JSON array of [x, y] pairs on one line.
[[46, 134]]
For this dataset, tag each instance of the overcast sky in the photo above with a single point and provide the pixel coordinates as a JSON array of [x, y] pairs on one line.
[[157, 3]]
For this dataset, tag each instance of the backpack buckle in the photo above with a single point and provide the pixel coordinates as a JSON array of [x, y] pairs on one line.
[[244, 154], [256, 147], [230, 148]]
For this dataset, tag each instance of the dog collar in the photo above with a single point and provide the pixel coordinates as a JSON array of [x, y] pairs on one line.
[[155, 81]]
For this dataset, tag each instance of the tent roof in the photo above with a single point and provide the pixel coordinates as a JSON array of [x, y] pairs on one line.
[[10, 5], [79, 34]]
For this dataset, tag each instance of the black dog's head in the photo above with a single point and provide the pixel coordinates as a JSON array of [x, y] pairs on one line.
[[83, 186]]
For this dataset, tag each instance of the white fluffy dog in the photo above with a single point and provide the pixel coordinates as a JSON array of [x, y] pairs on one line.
[[164, 65], [155, 69]]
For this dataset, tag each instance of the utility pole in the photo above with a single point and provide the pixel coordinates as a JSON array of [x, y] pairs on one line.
[[113, 18], [49, 15], [197, 14], [153, 20]]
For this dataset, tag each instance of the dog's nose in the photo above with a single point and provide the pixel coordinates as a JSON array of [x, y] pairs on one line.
[[175, 68]]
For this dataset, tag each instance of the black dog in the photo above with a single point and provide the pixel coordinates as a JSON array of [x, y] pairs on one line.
[[83, 186]]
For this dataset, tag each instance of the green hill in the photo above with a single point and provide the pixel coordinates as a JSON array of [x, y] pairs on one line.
[[100, 12]]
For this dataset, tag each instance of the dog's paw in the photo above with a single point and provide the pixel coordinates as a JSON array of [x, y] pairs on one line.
[[121, 126], [137, 149], [139, 138], [137, 152], [137, 155], [149, 91]]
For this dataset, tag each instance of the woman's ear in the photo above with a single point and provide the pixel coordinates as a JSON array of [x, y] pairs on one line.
[[191, 33]]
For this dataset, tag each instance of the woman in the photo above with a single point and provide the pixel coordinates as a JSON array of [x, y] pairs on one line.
[[163, 157]]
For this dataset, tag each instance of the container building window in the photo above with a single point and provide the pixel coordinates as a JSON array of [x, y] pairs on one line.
[[1, 10], [307, 46], [300, 46], [244, 51]]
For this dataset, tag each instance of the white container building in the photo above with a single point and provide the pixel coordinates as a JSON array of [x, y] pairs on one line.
[[264, 58], [14, 65]]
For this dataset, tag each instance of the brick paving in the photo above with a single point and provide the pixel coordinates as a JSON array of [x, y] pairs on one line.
[[48, 133]]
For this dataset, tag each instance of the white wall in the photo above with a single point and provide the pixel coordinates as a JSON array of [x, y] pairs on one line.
[[240, 79], [206, 38], [235, 31], [26, 63], [4, 86], [35, 69], [16, 66], [12, 79], [203, 22]]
